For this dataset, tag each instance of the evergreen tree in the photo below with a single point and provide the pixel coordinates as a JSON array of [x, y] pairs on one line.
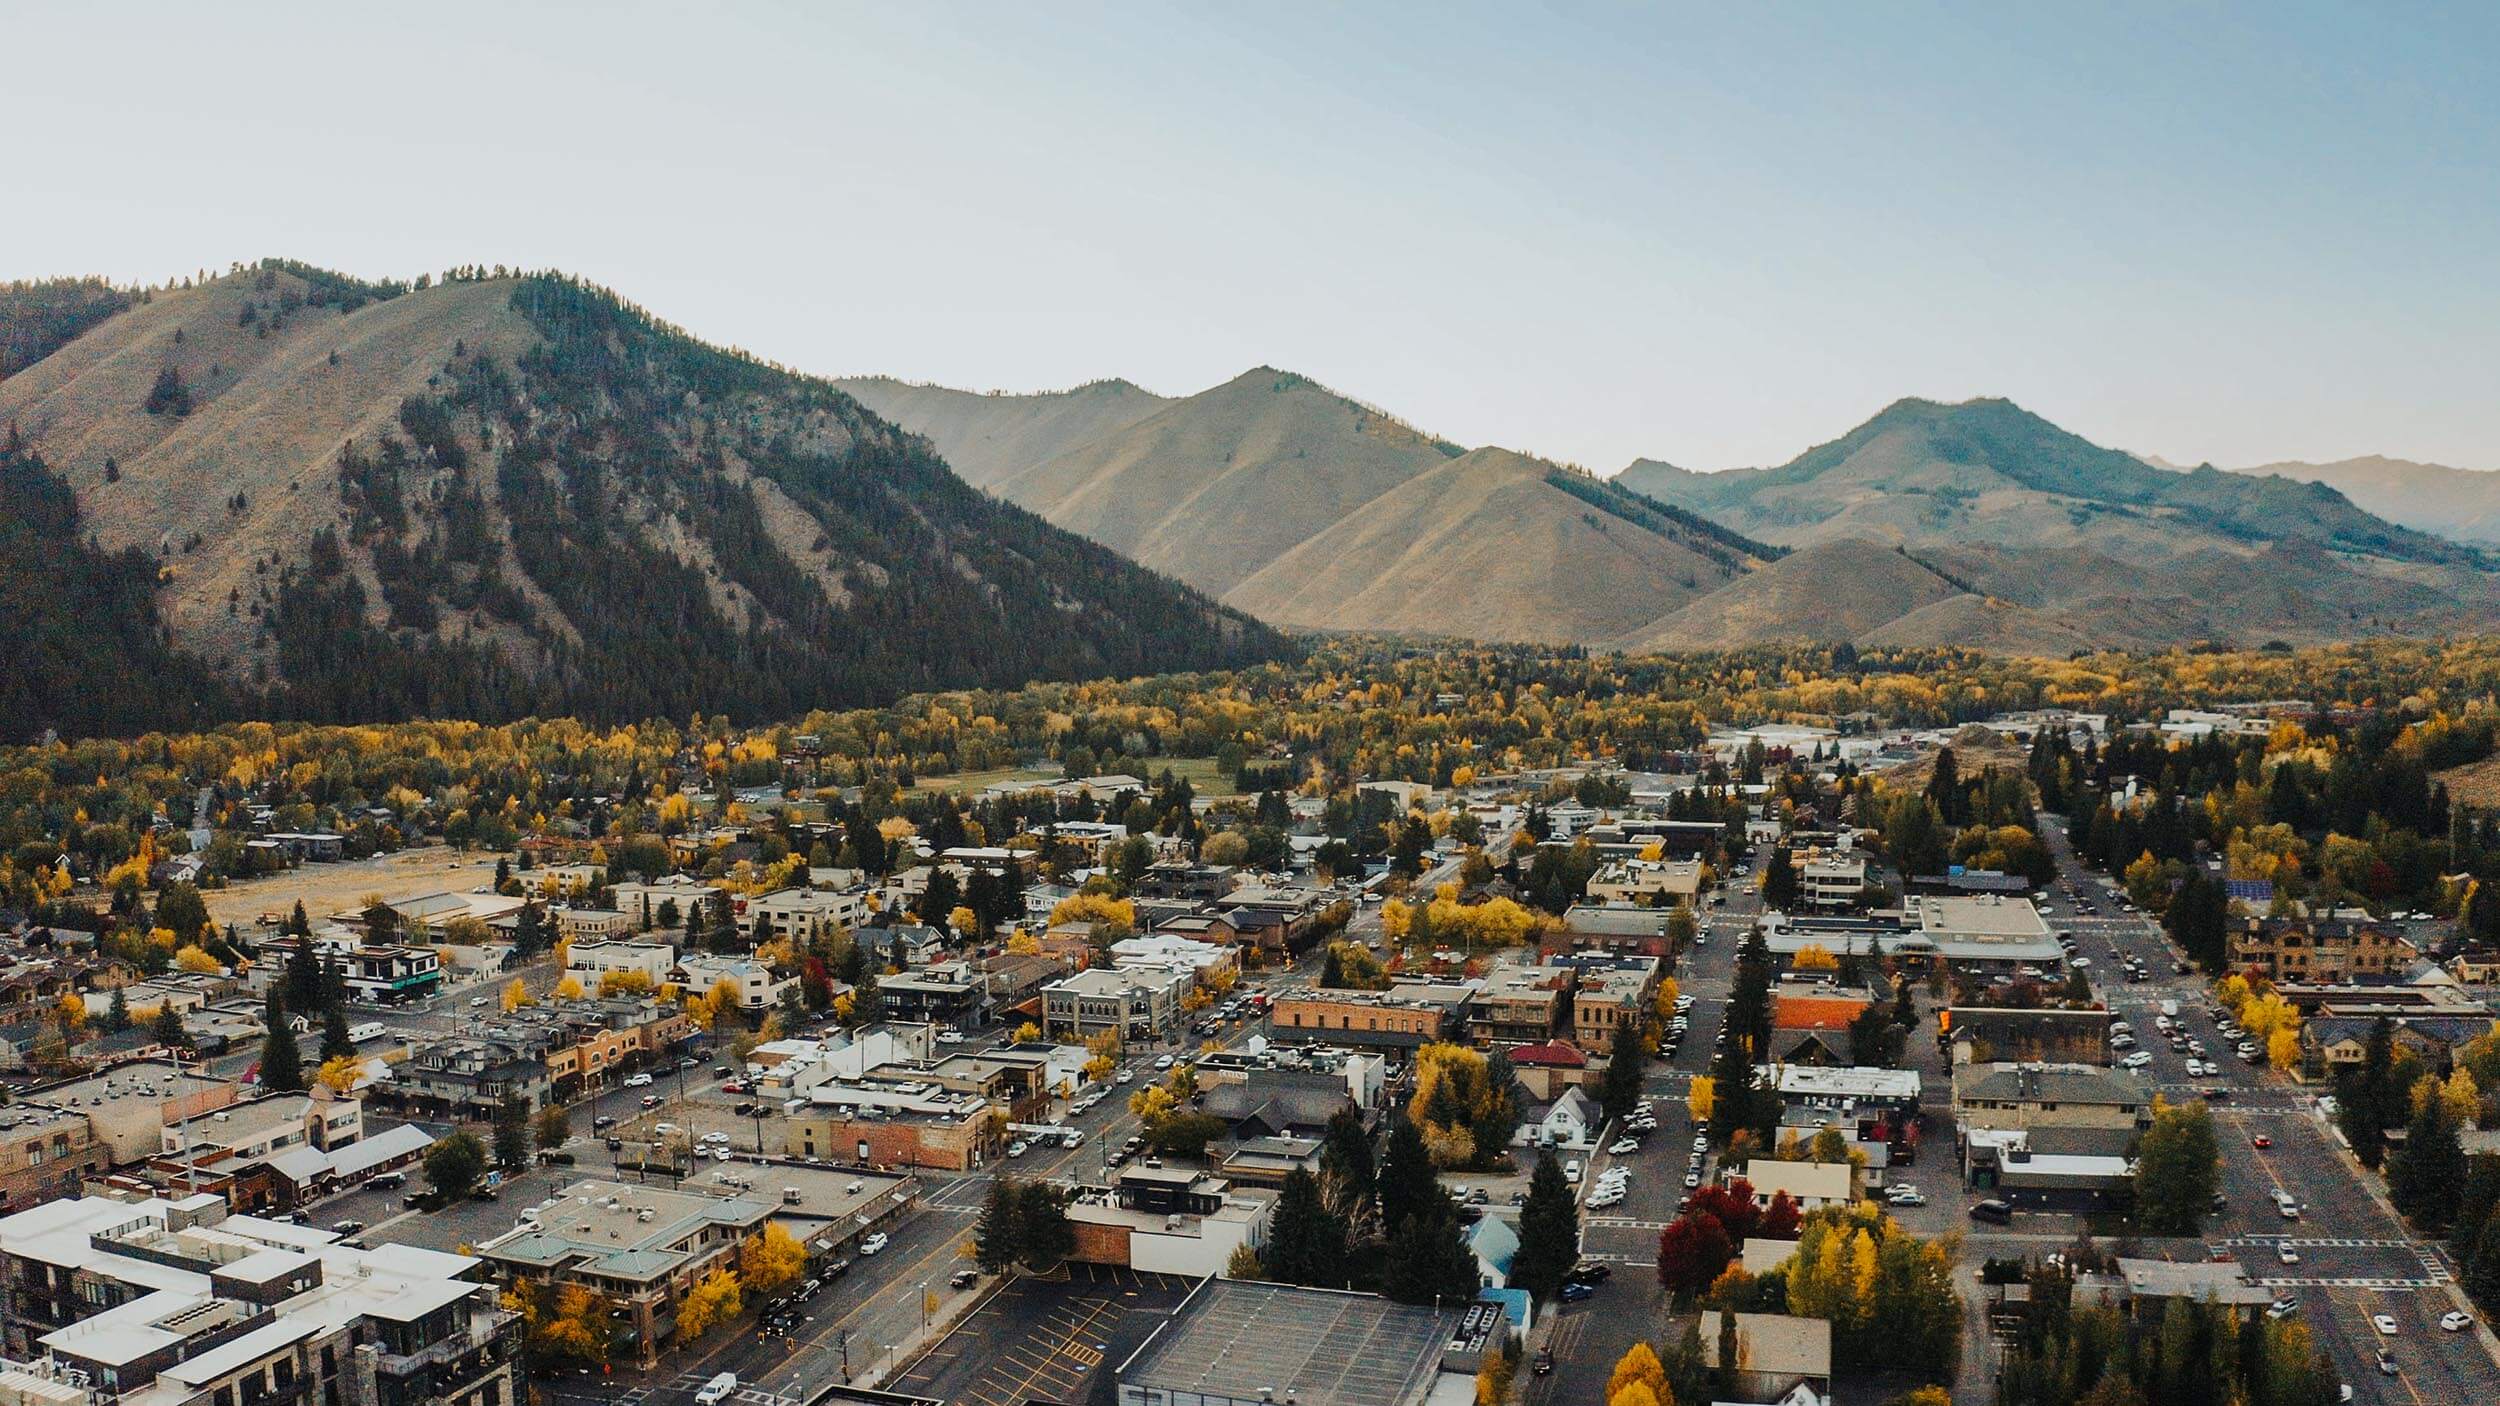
[[1549, 1231], [1779, 881], [2474, 1206], [1345, 1160], [999, 1237], [1619, 1092], [2361, 1096], [1429, 1262], [1306, 1245], [2482, 1277], [335, 1041], [2174, 1171], [2429, 1172], [281, 1064], [118, 1014], [1042, 1228], [298, 923], [168, 1030], [1407, 1184], [512, 1131]]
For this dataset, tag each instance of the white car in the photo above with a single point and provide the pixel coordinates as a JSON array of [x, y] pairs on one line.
[[1126, 1076], [2456, 1320], [1018, 1148], [1906, 1196], [1701, 1144], [1163, 1061], [1624, 1145], [950, 1037], [2386, 1326], [2285, 1254], [873, 1244]]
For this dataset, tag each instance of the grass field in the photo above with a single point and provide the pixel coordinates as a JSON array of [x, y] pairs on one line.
[[325, 889], [1201, 772]]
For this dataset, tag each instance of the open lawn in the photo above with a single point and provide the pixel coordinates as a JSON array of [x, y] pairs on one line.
[[1202, 773], [331, 888]]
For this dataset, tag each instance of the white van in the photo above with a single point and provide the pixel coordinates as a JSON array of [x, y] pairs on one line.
[[717, 1390], [1571, 1171]]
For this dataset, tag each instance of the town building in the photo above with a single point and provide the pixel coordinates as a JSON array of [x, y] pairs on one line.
[[2145, 1289], [895, 1122], [1169, 1220], [640, 1246], [45, 1154], [592, 963], [1831, 880], [130, 1105], [1778, 1357], [1613, 927], [800, 914], [1812, 1185], [1654, 883], [1521, 1003], [1238, 1342], [756, 985], [1137, 1005], [1408, 1014], [2330, 951], [179, 1303], [375, 974], [2008, 1096]]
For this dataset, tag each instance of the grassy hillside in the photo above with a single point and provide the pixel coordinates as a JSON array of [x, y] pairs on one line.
[[501, 495], [986, 438]]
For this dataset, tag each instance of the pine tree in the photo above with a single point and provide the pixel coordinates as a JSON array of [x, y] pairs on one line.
[[1549, 1231], [1620, 1091], [2474, 1206], [1429, 1262], [168, 1028], [1000, 1235], [512, 1131], [1345, 1160], [2482, 1278], [336, 1043], [1407, 1185], [281, 1064], [118, 1014], [2426, 1177], [1044, 1235], [1306, 1245]]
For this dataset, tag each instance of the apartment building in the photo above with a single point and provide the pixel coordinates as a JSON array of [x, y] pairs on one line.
[[800, 914], [757, 987], [1408, 1014], [1521, 1004], [178, 1303], [46, 1153], [2320, 951]]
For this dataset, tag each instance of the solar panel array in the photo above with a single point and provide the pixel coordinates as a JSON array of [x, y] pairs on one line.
[[1316, 1347]]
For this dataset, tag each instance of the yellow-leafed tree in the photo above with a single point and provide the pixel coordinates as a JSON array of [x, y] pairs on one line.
[[708, 1304], [770, 1258]]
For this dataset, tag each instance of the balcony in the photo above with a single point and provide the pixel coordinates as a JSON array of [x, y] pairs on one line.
[[480, 1334]]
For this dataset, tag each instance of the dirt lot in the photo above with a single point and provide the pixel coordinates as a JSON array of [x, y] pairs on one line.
[[331, 888]]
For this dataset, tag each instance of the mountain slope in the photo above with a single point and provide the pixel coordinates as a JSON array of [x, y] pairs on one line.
[[505, 495], [2460, 504], [1214, 487], [1987, 471], [1497, 545], [985, 438], [1831, 591]]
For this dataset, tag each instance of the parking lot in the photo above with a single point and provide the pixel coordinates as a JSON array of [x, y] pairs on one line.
[[1042, 1340]]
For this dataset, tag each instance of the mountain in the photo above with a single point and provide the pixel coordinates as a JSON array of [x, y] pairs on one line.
[[1654, 477], [1988, 471], [1498, 545], [1216, 486], [501, 495], [2462, 505], [1832, 591], [985, 438]]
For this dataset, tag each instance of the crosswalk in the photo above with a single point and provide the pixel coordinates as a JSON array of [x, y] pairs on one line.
[[2359, 1282], [1622, 1223], [2268, 1242], [691, 1381]]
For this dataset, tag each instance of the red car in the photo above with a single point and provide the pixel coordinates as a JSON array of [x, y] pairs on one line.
[[2261, 1140]]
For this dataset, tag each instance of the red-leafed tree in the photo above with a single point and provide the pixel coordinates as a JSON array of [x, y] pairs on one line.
[[1732, 1206], [1780, 1220], [1692, 1251]]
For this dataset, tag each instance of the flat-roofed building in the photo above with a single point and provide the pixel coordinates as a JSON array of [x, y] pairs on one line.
[[130, 1105], [1237, 1342], [46, 1153], [1408, 1014], [1170, 1220], [641, 1246], [179, 1303]]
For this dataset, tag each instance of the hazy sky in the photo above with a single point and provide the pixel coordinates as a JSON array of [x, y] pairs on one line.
[[1713, 234]]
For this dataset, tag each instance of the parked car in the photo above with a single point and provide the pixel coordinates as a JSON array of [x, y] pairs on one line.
[[2385, 1325], [1574, 1292], [963, 1278], [637, 1081], [873, 1244], [2456, 1320]]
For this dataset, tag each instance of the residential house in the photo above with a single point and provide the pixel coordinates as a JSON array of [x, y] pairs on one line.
[[1812, 1185], [757, 986], [1810, 1021], [1779, 1358]]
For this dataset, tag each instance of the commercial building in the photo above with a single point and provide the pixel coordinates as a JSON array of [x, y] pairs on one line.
[[1236, 1342], [2008, 1096], [2315, 951], [1609, 993], [757, 988], [1657, 883], [46, 1153], [593, 962], [1137, 1004], [641, 1246], [800, 914], [1831, 880], [1613, 927], [1169, 1220], [1520, 1003], [1408, 1014], [2145, 1289], [898, 1122], [130, 1105], [375, 974], [179, 1303]]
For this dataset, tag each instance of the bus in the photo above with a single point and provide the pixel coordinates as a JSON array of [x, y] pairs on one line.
[[366, 1030]]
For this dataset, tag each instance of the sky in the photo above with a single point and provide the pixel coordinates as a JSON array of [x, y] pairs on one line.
[[1710, 234]]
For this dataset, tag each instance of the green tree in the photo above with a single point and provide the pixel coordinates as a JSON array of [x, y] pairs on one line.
[[999, 1237], [1306, 1244], [553, 1127], [2474, 1206], [167, 1028], [1549, 1231], [1619, 1091], [117, 1015], [512, 1131], [2482, 1276], [2174, 1171], [1407, 1185], [281, 1064], [336, 1043], [1345, 1162], [2428, 1174], [454, 1165], [1044, 1233], [1429, 1262]]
